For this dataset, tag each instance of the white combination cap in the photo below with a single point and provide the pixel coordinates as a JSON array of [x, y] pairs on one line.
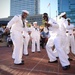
[[34, 22], [68, 19], [62, 14], [25, 11]]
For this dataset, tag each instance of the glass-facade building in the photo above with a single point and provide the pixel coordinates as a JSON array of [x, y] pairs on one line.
[[67, 6], [16, 6]]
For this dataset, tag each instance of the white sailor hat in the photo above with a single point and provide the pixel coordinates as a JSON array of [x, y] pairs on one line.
[[68, 19], [25, 11], [62, 14], [34, 22]]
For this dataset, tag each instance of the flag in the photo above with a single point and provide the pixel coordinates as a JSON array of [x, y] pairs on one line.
[[48, 5]]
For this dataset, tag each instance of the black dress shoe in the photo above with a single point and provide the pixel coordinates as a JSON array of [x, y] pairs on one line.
[[70, 59], [53, 61], [66, 67], [22, 63], [33, 52], [38, 51]]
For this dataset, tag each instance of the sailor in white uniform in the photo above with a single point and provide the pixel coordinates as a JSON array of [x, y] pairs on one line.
[[53, 30], [16, 26], [61, 44], [26, 39], [58, 42], [71, 36], [35, 35]]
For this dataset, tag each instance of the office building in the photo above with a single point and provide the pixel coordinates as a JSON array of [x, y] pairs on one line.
[[16, 6], [67, 6]]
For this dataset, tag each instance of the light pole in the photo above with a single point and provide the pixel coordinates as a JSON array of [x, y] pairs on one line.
[[56, 15]]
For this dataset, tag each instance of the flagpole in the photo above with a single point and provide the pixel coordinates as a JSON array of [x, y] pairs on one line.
[[50, 11]]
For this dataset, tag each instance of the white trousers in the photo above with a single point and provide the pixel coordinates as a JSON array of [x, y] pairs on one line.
[[72, 43], [26, 41], [52, 54], [18, 46], [35, 42], [63, 57], [66, 44]]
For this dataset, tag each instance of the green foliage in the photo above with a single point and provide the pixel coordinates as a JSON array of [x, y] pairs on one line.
[[29, 25], [43, 22]]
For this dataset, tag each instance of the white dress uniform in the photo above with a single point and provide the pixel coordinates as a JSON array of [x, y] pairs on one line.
[[63, 25], [16, 26], [53, 30], [26, 40], [61, 44], [35, 35], [58, 42], [71, 38]]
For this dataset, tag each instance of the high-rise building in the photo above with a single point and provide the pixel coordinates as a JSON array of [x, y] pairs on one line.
[[67, 6], [16, 6]]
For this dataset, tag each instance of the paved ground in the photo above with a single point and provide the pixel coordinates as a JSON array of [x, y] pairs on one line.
[[35, 64]]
